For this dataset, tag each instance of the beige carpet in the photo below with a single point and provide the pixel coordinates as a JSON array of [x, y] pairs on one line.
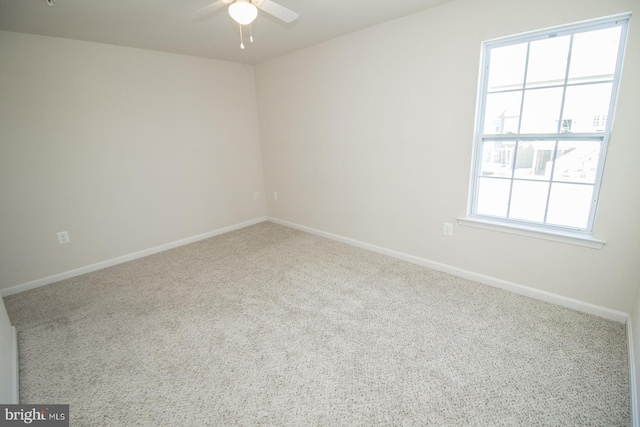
[[272, 326]]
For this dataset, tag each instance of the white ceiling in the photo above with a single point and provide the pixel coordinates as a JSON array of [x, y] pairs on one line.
[[167, 25]]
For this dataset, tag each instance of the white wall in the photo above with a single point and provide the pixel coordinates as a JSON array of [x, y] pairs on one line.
[[8, 366], [126, 149], [369, 136], [633, 328]]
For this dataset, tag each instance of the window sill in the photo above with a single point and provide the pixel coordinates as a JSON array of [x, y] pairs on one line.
[[568, 237]]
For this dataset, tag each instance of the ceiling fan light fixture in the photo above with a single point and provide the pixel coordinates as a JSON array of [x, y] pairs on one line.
[[243, 12]]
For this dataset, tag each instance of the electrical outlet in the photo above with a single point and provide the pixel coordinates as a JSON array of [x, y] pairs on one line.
[[447, 229], [63, 237], [275, 195], [256, 195]]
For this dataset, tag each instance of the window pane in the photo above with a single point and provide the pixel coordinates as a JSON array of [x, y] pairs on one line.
[[541, 111], [493, 196], [594, 55], [534, 160], [497, 158], [548, 61], [507, 67], [540, 93], [586, 108], [577, 161], [569, 205], [529, 200], [502, 112]]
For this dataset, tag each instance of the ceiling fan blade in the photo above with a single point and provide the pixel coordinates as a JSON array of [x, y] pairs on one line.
[[278, 11], [209, 9]]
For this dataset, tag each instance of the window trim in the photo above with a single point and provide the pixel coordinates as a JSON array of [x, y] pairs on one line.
[[521, 229], [535, 229]]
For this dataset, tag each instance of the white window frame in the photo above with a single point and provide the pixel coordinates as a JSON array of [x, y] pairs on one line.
[[580, 236]]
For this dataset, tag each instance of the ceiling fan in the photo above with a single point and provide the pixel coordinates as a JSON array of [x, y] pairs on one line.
[[244, 12]]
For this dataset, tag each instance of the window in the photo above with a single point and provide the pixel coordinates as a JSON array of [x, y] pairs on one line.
[[545, 113]]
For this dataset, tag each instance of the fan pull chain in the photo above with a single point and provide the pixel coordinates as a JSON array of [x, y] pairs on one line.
[[250, 34], [241, 42]]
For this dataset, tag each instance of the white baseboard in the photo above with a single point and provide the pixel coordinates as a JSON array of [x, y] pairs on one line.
[[633, 390], [15, 369], [585, 307], [560, 300], [125, 258]]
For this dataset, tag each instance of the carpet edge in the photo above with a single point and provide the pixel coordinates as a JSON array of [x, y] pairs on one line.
[[125, 258], [582, 306]]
